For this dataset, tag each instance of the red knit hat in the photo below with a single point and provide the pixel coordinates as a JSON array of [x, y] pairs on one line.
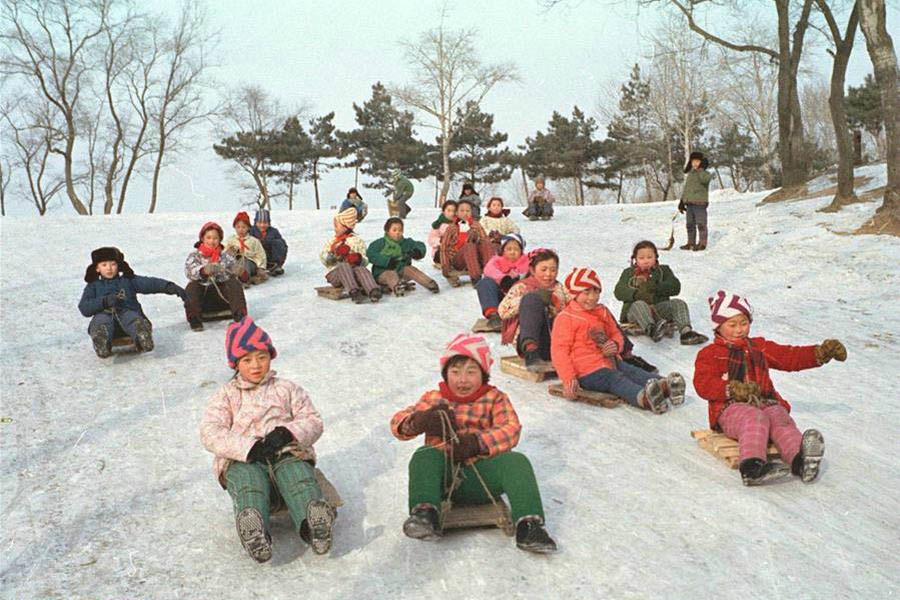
[[211, 225], [581, 279], [241, 216], [723, 306], [472, 346]]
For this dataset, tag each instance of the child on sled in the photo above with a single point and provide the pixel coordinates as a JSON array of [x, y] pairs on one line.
[[438, 227], [465, 245], [248, 251], [732, 373], [261, 429], [270, 238], [392, 256], [469, 426], [345, 257], [212, 278], [496, 222], [500, 274]]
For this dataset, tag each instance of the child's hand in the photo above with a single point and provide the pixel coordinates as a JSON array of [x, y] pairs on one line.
[[330, 259], [741, 391], [506, 283], [431, 422], [260, 452], [830, 349], [213, 269], [465, 447], [609, 349], [109, 301], [571, 389], [120, 295], [278, 438]]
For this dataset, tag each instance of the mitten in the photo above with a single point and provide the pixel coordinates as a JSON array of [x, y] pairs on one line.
[[121, 295], [609, 348], [392, 264], [741, 391], [109, 301], [173, 289], [342, 250], [506, 283], [416, 254], [354, 258], [545, 295], [830, 349], [681, 206], [598, 335], [278, 438], [466, 446], [646, 292], [430, 422], [260, 452], [495, 236]]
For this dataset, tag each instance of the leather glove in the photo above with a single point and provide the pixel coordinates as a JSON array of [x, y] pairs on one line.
[[545, 295], [174, 289], [830, 349], [741, 391], [681, 206], [109, 300], [646, 292], [465, 447], [430, 422], [416, 254], [260, 452], [278, 438]]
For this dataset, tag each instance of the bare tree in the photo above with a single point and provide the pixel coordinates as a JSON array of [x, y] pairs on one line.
[[5, 167], [447, 73]]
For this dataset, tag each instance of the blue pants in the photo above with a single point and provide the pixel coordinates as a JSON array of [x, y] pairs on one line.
[[625, 381], [276, 251], [489, 294], [534, 324], [539, 210], [125, 321], [695, 221]]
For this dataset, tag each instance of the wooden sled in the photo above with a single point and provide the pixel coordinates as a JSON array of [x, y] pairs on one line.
[[453, 278], [632, 329], [329, 493], [124, 344], [464, 516], [215, 315], [588, 396], [481, 326], [723, 447], [335, 293], [515, 365]]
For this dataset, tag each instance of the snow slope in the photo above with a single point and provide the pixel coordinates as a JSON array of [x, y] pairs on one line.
[[107, 492]]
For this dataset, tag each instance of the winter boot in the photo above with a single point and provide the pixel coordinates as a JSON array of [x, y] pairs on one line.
[[676, 387], [433, 287], [532, 537], [700, 247], [636, 361], [688, 246], [238, 315], [100, 339], [400, 290], [251, 531], [196, 324], [275, 270], [806, 464], [495, 322], [359, 295], [375, 295], [422, 523], [144, 335], [692, 338], [658, 330], [320, 518], [756, 471], [652, 397]]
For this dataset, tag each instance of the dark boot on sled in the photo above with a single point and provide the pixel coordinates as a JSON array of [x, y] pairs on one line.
[[253, 535], [532, 537], [319, 521], [144, 336], [433, 287], [806, 463], [359, 295], [196, 324], [692, 338], [756, 471], [423, 523], [100, 340], [658, 330], [636, 361], [375, 295]]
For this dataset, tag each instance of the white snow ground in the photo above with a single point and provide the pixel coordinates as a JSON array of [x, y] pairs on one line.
[[108, 493]]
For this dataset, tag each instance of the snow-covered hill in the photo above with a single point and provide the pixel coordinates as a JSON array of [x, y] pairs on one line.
[[107, 492]]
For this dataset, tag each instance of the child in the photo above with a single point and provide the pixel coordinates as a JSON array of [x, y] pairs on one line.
[[110, 299], [261, 429], [586, 345], [438, 227], [732, 373], [695, 199], [465, 245], [496, 223], [354, 200], [540, 202], [211, 281], [470, 427], [500, 273], [275, 246], [530, 306], [247, 250], [392, 257], [345, 256], [645, 289], [469, 194]]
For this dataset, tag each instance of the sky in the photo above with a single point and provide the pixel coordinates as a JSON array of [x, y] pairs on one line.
[[327, 55]]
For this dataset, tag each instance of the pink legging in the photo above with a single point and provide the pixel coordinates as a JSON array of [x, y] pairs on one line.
[[752, 427]]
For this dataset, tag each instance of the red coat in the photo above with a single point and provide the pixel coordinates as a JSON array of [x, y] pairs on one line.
[[711, 369], [573, 351]]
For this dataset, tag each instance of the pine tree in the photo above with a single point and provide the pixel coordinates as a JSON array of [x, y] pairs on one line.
[[863, 106], [292, 147], [324, 146], [736, 151], [631, 133], [253, 152], [474, 152]]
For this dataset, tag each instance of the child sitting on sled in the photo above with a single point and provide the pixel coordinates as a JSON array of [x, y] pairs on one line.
[[496, 222], [392, 256], [345, 257], [274, 245], [110, 300], [645, 289], [732, 373], [248, 251], [500, 274], [469, 426], [438, 227], [464, 244], [261, 429], [586, 347], [212, 280]]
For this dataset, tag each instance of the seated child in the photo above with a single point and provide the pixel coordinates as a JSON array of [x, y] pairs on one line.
[[354, 200], [211, 278], [496, 222], [465, 245], [274, 245], [540, 202], [645, 289], [392, 256], [732, 373], [469, 194], [261, 429], [345, 256], [586, 346], [500, 273], [248, 251], [110, 299], [469, 426], [438, 227]]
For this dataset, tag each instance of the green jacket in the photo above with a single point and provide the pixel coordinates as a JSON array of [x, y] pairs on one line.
[[662, 276], [403, 188], [696, 187], [379, 260]]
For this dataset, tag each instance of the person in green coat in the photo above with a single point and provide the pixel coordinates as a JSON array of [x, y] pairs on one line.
[[646, 289], [403, 191], [695, 199], [392, 256]]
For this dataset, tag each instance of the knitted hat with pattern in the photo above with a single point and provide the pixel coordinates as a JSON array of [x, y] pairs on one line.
[[580, 279], [471, 346], [243, 338]]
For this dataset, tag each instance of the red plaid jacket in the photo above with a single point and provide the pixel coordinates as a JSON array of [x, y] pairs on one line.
[[488, 413]]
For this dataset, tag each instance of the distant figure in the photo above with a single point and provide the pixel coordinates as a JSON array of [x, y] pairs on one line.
[[403, 191], [275, 246], [468, 193], [695, 199], [354, 200], [540, 202]]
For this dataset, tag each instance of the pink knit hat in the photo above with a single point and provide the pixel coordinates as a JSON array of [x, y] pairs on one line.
[[243, 338], [723, 306], [581, 279], [472, 346]]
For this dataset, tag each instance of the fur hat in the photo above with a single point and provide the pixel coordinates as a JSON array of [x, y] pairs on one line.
[[262, 216], [467, 186], [106, 253], [696, 156], [241, 216], [512, 237], [243, 338], [581, 279], [723, 306], [347, 218], [471, 346]]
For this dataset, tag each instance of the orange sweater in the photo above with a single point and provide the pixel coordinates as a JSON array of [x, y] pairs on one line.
[[573, 351]]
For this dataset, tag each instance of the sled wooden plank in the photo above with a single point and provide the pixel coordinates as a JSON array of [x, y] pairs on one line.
[[515, 365], [725, 448], [331, 292], [122, 342], [215, 315], [481, 326], [463, 516], [453, 277], [587, 396], [632, 329], [328, 490]]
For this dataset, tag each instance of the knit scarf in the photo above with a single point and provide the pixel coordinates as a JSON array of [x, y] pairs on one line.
[[749, 367], [212, 254], [448, 395], [339, 240], [392, 248], [243, 243]]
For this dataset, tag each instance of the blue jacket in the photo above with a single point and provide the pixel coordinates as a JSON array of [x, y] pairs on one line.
[[272, 234], [92, 297]]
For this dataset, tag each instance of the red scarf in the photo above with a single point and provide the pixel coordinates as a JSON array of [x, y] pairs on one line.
[[243, 244], [212, 254], [463, 235], [339, 240], [447, 394], [262, 233]]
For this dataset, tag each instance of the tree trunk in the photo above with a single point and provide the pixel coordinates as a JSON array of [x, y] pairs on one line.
[[70, 182], [857, 147], [315, 179], [445, 158], [154, 188], [524, 183], [790, 123]]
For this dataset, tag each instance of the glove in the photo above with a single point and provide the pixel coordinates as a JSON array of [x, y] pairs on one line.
[[430, 422], [495, 236], [278, 438], [506, 283], [416, 254], [609, 349], [465, 447], [681, 207], [213, 269], [571, 389], [330, 259], [598, 335], [545, 295], [354, 258], [342, 250], [260, 452], [392, 264], [109, 300], [120, 294], [830, 349], [174, 289], [740, 391], [646, 292]]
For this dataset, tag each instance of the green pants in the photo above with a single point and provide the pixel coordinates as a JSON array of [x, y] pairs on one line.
[[509, 473], [249, 486]]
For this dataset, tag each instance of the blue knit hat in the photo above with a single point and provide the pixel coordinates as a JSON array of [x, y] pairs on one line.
[[243, 338], [512, 237], [262, 216]]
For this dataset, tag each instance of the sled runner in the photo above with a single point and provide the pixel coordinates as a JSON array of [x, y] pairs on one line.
[[464, 516], [723, 447], [515, 365], [481, 326], [329, 494], [215, 315], [587, 396]]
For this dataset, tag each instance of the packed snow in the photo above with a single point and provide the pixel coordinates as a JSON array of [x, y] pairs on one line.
[[108, 493]]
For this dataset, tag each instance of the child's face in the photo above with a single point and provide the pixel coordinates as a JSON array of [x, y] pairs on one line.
[[353, 195], [736, 328], [241, 228], [450, 212], [254, 366], [108, 269], [464, 378], [464, 212], [467, 192], [588, 299], [495, 207], [545, 272], [211, 238], [539, 185], [512, 251], [262, 225], [695, 163], [645, 259], [340, 228], [395, 231]]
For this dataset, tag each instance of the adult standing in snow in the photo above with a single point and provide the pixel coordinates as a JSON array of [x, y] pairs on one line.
[[403, 191], [695, 199], [540, 202]]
